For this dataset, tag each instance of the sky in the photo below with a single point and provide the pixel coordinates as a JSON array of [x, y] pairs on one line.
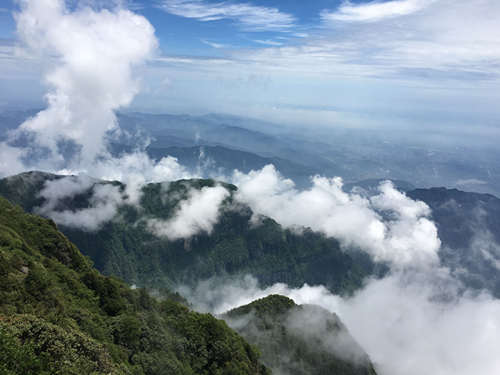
[[392, 64]]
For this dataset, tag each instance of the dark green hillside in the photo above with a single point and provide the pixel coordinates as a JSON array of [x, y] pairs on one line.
[[125, 248], [58, 315], [469, 228], [299, 340]]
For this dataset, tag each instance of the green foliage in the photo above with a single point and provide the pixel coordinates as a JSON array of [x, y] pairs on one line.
[[126, 249], [299, 340], [58, 315]]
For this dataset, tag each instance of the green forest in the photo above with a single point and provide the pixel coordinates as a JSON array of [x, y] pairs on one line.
[[58, 315]]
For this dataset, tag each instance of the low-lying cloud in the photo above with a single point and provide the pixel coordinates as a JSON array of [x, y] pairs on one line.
[[103, 204], [197, 214], [408, 323], [390, 226]]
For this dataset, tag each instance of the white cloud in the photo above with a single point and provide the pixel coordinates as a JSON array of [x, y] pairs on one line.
[[10, 160], [407, 323], [406, 237], [249, 17], [430, 42], [268, 42], [95, 53], [199, 213], [213, 44], [136, 169], [375, 10], [92, 56], [104, 202]]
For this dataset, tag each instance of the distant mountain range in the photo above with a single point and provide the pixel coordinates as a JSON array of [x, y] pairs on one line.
[[126, 248], [354, 154], [468, 225]]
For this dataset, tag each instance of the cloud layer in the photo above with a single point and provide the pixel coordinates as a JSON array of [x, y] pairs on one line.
[[407, 323], [104, 201], [390, 226]]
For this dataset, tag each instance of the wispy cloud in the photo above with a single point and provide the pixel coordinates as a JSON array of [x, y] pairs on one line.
[[374, 11], [213, 44], [445, 39], [248, 16], [268, 42]]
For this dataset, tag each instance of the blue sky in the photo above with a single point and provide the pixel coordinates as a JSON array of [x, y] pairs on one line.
[[402, 63]]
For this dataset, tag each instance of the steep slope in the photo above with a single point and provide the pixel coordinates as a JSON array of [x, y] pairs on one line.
[[299, 340], [125, 247], [58, 315]]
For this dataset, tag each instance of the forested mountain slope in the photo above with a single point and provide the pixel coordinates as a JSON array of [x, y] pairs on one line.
[[299, 339], [125, 247], [469, 227], [58, 315]]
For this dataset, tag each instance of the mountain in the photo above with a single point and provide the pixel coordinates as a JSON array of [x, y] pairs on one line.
[[126, 247], [468, 225], [222, 161], [469, 228], [58, 315], [299, 339], [371, 186], [352, 153], [231, 132]]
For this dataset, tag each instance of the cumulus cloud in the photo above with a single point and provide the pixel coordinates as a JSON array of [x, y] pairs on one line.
[[92, 54], [390, 226], [198, 213], [407, 323], [136, 169], [250, 17], [95, 53]]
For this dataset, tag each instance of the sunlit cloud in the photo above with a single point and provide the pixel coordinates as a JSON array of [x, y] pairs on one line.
[[374, 11]]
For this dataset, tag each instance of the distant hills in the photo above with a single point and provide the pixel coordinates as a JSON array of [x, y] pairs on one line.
[[298, 152], [222, 161], [468, 225], [126, 248]]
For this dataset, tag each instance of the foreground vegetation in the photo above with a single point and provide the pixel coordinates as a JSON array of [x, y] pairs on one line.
[[58, 315]]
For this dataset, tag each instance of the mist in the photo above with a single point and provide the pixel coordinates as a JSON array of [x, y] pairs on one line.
[[408, 323], [196, 214], [390, 226]]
